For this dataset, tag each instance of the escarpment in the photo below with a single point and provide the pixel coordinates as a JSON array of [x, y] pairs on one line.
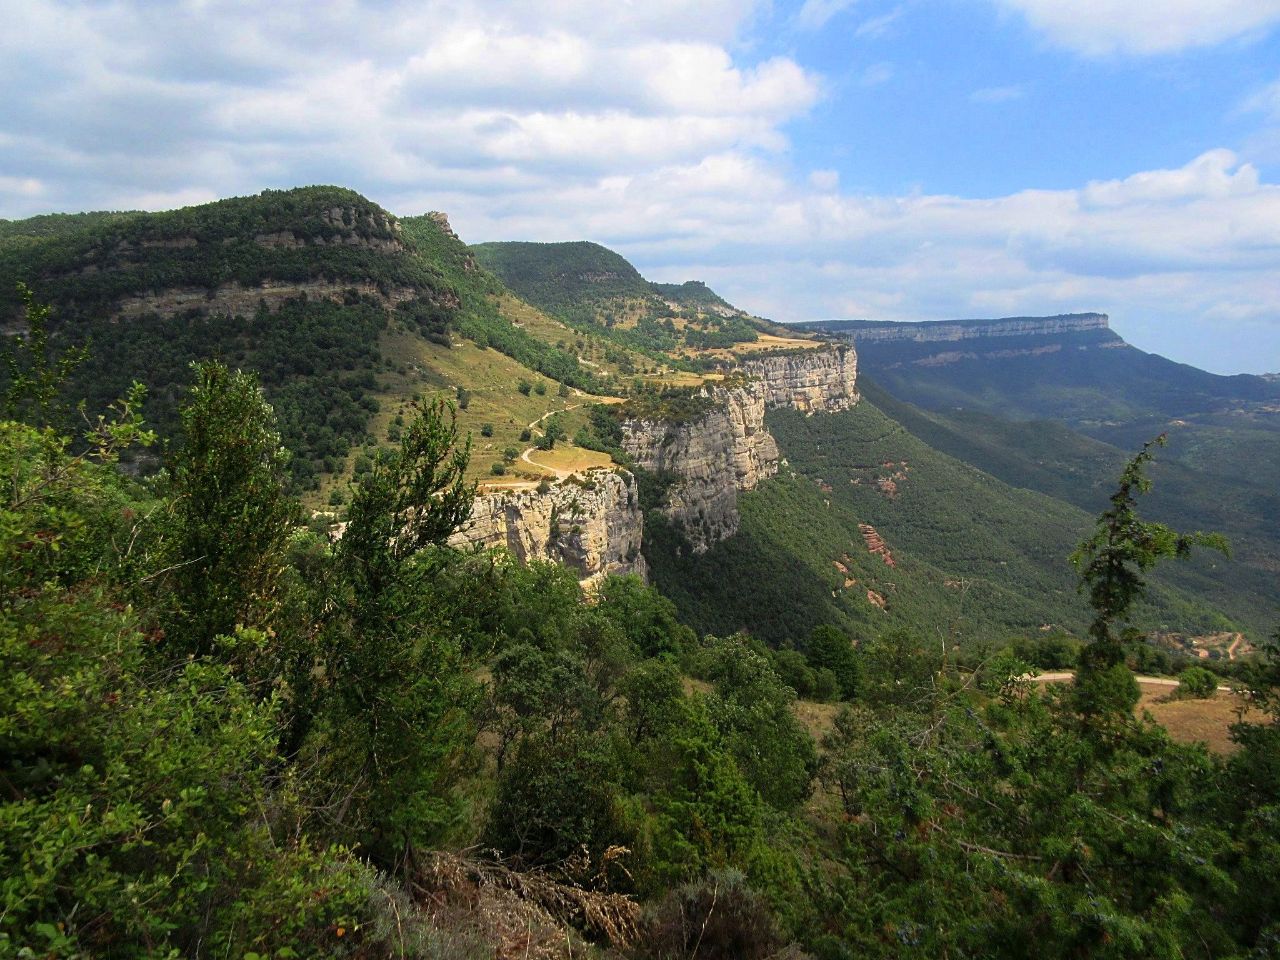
[[704, 461], [930, 331], [592, 525], [809, 380]]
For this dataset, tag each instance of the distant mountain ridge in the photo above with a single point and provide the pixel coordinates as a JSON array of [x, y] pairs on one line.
[[927, 331]]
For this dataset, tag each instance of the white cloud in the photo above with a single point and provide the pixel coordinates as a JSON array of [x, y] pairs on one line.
[[877, 74], [652, 131], [1099, 27], [878, 26], [998, 94], [814, 14]]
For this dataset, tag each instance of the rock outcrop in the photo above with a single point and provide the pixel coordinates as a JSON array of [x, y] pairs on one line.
[[866, 331], [706, 461], [236, 299], [592, 525], [807, 380]]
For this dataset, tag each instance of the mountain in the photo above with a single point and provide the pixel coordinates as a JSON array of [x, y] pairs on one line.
[[591, 286], [345, 311], [1072, 368], [620, 425], [1055, 405]]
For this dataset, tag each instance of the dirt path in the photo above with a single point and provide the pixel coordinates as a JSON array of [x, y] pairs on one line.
[[1061, 676]]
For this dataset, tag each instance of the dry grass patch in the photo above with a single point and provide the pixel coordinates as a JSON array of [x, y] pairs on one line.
[[1195, 721], [564, 459]]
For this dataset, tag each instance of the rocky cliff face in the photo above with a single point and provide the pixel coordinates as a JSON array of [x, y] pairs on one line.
[[708, 460], [593, 526], [809, 380], [945, 330], [236, 299]]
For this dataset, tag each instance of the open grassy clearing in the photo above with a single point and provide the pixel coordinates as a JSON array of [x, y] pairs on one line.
[[565, 459], [492, 381], [765, 342], [1195, 721]]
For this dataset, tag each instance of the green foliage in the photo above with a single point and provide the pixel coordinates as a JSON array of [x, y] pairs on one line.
[[1197, 682], [1112, 563], [397, 722], [35, 380], [751, 709], [555, 798], [231, 516], [131, 823], [829, 649]]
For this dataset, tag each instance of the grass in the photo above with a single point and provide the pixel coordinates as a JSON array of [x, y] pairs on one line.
[[566, 457], [1195, 721], [766, 341], [492, 379]]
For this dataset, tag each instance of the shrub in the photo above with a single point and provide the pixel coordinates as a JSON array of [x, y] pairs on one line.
[[1197, 682], [498, 468], [719, 918], [524, 387], [486, 430]]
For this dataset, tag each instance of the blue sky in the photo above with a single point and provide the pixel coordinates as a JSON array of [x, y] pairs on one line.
[[825, 158]]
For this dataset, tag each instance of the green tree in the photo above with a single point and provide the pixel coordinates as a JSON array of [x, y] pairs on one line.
[[1197, 682], [397, 720], [231, 515], [1112, 563], [36, 377], [828, 648]]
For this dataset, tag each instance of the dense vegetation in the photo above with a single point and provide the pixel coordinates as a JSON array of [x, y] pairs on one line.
[[318, 358], [1209, 480], [981, 560], [222, 734], [87, 271], [593, 287]]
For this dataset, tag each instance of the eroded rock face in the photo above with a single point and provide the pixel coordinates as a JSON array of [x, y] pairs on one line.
[[593, 526], [707, 460], [729, 449], [812, 380], [235, 299]]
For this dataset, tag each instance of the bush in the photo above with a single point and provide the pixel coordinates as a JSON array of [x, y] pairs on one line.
[[554, 798], [540, 389], [524, 387], [719, 918], [525, 435], [1198, 683], [464, 398], [498, 468], [486, 430]]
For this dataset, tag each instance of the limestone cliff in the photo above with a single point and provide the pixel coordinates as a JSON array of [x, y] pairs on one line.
[[707, 460], [808, 380], [592, 525], [867, 331]]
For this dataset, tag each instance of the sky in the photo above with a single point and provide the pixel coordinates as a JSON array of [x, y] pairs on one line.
[[883, 159]]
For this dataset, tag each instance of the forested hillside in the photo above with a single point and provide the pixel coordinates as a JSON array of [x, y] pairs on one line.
[[979, 559]]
